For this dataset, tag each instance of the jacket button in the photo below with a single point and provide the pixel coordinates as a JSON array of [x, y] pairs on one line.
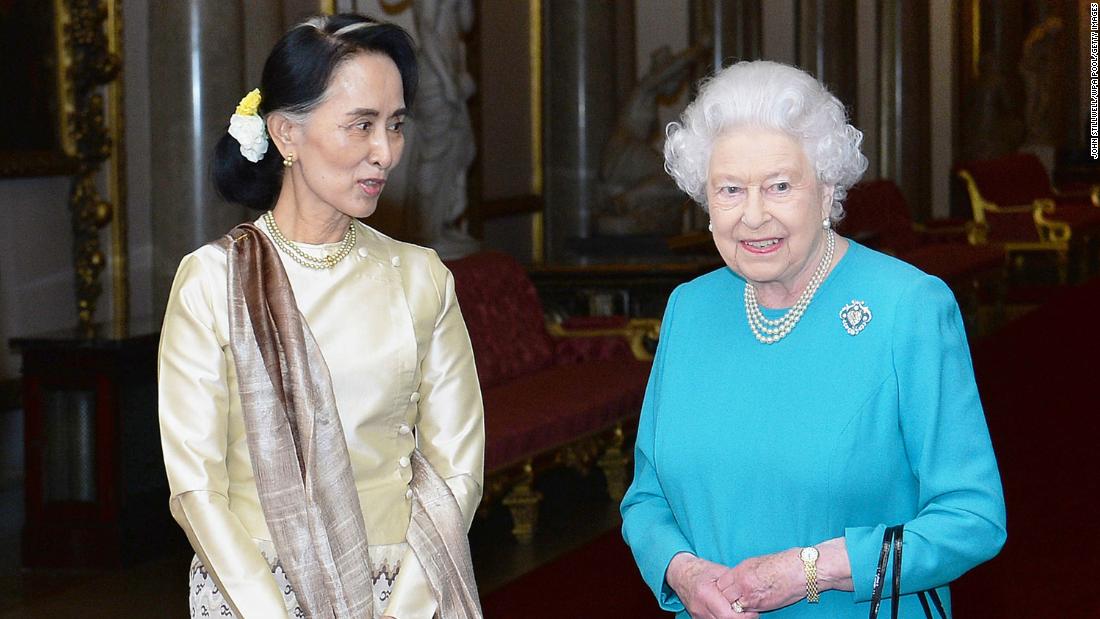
[[403, 461], [409, 493], [415, 397], [363, 252], [404, 429], [396, 261]]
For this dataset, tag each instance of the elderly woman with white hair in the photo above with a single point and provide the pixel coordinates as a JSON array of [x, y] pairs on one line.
[[812, 404]]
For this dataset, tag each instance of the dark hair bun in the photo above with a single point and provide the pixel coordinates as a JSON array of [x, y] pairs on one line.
[[255, 185]]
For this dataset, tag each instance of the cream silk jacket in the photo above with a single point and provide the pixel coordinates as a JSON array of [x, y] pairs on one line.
[[389, 326]]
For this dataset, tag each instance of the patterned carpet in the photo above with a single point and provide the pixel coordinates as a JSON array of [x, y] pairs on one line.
[[1039, 378]]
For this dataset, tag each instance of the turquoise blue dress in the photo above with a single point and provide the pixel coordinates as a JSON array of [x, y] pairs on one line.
[[747, 449]]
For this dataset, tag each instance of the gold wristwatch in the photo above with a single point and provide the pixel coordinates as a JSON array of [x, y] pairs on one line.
[[809, 563]]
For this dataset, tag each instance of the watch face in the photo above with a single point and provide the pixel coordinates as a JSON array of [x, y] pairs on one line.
[[809, 554]]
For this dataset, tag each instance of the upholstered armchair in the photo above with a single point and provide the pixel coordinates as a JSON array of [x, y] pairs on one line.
[[1014, 203], [877, 211], [563, 394]]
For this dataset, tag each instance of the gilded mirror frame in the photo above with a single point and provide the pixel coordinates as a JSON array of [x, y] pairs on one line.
[[41, 64]]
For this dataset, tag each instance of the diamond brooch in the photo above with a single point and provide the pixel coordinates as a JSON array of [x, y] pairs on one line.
[[855, 317]]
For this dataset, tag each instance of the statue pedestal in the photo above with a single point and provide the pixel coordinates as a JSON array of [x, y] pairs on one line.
[[1076, 171], [620, 275]]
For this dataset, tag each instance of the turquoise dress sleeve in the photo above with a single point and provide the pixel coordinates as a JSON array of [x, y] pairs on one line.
[[961, 518], [649, 525]]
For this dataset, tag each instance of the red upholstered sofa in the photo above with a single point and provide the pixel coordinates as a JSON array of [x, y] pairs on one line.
[[1014, 204], [877, 210], [561, 394]]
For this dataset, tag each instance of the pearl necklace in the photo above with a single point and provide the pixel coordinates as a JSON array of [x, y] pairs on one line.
[[769, 331], [307, 260]]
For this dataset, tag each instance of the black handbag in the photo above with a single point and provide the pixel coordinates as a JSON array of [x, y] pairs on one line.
[[892, 538]]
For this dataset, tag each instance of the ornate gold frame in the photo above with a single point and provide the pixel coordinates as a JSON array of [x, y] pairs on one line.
[[394, 7], [90, 52], [87, 48], [61, 159], [120, 262], [538, 247]]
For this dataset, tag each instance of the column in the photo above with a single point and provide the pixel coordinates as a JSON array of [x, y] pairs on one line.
[[579, 109], [733, 28], [197, 72], [827, 45], [904, 135]]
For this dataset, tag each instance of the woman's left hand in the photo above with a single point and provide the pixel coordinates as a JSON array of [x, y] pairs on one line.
[[766, 582]]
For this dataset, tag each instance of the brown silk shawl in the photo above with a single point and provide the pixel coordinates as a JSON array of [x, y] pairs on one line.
[[300, 458]]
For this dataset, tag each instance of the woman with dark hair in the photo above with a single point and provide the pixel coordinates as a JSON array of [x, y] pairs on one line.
[[320, 412]]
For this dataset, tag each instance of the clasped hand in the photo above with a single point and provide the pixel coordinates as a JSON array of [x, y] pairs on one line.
[[758, 584]]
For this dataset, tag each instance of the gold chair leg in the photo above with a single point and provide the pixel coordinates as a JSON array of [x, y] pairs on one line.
[[579, 456], [523, 502], [613, 463]]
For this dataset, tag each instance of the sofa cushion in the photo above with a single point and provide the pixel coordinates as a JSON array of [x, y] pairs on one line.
[[503, 315], [552, 407], [1011, 180]]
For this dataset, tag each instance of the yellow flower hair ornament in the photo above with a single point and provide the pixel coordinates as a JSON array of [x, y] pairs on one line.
[[248, 127]]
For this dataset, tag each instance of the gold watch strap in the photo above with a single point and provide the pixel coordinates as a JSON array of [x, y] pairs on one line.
[[812, 594], [809, 558]]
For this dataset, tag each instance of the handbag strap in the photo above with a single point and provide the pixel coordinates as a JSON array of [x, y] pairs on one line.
[[921, 595], [883, 558], [931, 593], [895, 595], [893, 537]]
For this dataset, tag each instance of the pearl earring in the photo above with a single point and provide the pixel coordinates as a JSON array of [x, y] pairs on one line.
[[825, 223], [288, 160], [710, 227]]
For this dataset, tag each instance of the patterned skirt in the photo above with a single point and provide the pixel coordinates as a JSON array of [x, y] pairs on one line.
[[206, 600]]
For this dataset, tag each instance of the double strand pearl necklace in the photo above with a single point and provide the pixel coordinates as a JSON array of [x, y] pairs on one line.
[[307, 260], [769, 331]]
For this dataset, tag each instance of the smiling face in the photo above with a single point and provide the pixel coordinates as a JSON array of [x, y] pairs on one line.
[[348, 144], [766, 208]]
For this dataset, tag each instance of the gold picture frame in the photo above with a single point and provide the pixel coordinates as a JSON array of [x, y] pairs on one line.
[[63, 116], [35, 130]]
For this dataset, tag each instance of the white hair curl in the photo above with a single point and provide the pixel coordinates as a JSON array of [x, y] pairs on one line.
[[773, 96]]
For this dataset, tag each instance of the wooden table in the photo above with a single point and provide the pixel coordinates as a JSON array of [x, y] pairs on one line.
[[637, 290]]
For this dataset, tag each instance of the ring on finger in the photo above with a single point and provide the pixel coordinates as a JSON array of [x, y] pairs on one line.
[[736, 606]]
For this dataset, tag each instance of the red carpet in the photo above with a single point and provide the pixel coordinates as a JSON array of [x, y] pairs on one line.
[[598, 580], [1039, 379]]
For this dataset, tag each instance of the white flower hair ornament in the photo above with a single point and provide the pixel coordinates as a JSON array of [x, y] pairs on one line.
[[248, 128]]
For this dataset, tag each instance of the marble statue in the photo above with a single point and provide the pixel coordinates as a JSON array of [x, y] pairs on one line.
[[1041, 67], [993, 106], [444, 135], [639, 197]]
